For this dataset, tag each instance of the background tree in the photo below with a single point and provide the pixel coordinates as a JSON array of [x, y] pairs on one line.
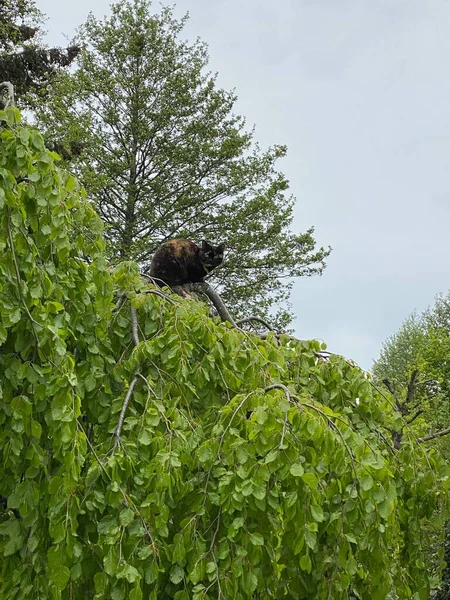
[[166, 156], [401, 353], [414, 365], [24, 60]]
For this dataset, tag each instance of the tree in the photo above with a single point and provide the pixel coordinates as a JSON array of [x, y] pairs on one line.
[[415, 363], [414, 366], [149, 451], [24, 60], [165, 156], [401, 353]]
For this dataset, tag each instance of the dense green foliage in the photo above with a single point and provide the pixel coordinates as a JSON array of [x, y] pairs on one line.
[[24, 60], [164, 156], [416, 362], [216, 486], [422, 345]]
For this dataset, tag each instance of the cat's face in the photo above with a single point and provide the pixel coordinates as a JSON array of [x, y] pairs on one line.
[[211, 255]]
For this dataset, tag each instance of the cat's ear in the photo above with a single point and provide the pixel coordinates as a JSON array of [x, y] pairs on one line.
[[206, 246], [220, 248]]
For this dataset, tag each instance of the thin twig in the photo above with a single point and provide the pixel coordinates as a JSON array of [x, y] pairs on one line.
[[123, 412], [280, 386], [19, 280], [135, 335], [414, 417], [119, 303], [161, 295], [257, 319], [285, 421]]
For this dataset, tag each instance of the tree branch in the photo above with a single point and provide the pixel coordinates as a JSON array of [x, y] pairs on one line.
[[135, 335], [414, 417], [123, 412], [433, 436], [411, 388], [389, 386], [205, 288], [280, 386], [257, 319], [134, 326]]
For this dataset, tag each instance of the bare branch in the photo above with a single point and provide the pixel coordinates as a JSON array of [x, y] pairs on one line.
[[205, 288], [433, 436], [414, 417], [411, 387], [256, 319], [280, 386], [134, 326], [123, 412], [161, 295], [389, 386], [135, 335]]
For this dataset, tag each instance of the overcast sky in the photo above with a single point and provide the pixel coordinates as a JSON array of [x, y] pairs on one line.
[[359, 90]]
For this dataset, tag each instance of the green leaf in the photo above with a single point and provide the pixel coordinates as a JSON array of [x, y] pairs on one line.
[[297, 470], [366, 482], [145, 438], [311, 480], [176, 574], [317, 512], [128, 572], [256, 539], [305, 563], [136, 594], [126, 517], [249, 582]]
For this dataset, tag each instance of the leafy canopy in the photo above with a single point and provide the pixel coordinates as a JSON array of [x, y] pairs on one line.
[[415, 361], [165, 156], [421, 344], [221, 482]]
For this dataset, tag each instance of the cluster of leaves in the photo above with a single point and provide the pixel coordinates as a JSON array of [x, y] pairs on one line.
[[24, 60], [245, 468], [164, 156]]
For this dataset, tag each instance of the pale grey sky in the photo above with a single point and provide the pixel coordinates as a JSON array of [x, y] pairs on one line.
[[359, 90]]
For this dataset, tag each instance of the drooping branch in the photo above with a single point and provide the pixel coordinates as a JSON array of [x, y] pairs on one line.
[[283, 388]]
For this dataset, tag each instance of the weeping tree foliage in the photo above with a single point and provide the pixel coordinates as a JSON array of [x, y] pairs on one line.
[[149, 451], [24, 60], [165, 156]]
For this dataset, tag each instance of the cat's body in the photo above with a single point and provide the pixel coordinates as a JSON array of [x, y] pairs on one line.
[[180, 261]]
